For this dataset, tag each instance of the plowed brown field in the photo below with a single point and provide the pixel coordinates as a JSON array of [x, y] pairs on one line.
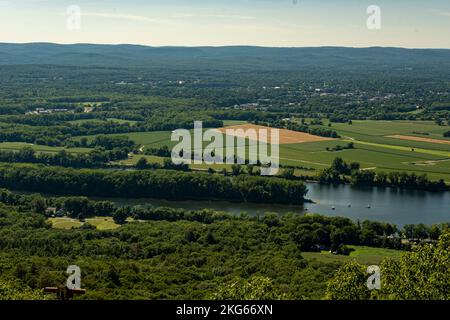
[[286, 136]]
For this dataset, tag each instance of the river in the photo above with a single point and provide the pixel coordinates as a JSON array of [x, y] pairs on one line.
[[386, 204], [378, 204]]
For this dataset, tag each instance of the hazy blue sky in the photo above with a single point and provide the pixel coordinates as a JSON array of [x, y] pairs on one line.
[[404, 23]]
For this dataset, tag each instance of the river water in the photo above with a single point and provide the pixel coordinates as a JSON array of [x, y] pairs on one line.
[[389, 205], [378, 204]]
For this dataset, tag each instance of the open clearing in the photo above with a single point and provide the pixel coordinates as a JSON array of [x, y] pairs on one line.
[[286, 136], [16, 146], [364, 255], [101, 223], [81, 121], [411, 138], [65, 223]]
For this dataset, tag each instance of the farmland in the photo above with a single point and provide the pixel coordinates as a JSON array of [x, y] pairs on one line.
[[421, 139], [15, 146], [373, 148], [285, 136]]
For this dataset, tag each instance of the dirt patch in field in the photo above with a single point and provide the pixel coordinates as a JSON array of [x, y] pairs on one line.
[[286, 136], [428, 163], [420, 139]]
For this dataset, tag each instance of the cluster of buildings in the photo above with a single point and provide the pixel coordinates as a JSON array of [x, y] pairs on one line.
[[46, 111], [54, 212], [247, 106]]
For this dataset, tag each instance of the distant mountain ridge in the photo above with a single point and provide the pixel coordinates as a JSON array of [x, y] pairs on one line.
[[257, 57]]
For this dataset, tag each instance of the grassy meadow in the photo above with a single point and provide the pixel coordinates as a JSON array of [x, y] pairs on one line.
[[15, 146], [364, 255], [101, 223]]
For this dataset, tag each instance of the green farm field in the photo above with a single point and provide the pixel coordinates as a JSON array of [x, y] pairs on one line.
[[379, 132], [373, 149], [153, 139], [107, 120], [101, 223], [15, 146], [364, 255]]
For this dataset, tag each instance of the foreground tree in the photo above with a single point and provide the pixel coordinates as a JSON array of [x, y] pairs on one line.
[[255, 288], [423, 274], [121, 215], [10, 290]]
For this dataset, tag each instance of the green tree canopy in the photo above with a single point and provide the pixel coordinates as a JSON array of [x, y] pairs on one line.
[[423, 274]]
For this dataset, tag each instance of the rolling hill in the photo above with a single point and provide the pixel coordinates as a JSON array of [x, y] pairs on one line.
[[375, 58]]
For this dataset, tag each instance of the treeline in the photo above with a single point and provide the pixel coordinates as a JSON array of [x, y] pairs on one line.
[[321, 132], [171, 214], [349, 146], [401, 180], [422, 231], [160, 184], [163, 151], [74, 207], [60, 134], [93, 159], [107, 142], [281, 124], [342, 172], [52, 118], [83, 207], [143, 164]]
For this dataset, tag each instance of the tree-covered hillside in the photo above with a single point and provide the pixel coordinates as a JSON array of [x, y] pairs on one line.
[[242, 57]]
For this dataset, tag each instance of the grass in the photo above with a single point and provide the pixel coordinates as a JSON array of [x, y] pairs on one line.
[[375, 149], [101, 223], [364, 255], [378, 132], [229, 123], [133, 159], [154, 159], [154, 139], [445, 154], [385, 128], [65, 223], [15, 146], [121, 121]]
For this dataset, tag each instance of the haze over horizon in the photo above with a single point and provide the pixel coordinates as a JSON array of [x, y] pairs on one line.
[[217, 46], [268, 23]]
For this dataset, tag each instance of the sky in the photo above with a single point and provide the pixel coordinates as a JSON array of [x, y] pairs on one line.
[[278, 23]]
